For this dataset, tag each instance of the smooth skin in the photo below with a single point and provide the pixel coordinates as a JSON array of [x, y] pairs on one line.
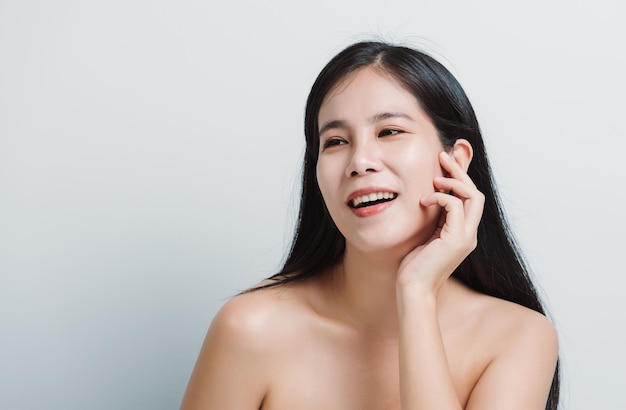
[[387, 328]]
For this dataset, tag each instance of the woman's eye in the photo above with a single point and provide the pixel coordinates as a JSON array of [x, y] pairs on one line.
[[387, 132], [333, 142]]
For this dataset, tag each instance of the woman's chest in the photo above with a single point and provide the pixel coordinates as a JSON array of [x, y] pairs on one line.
[[339, 377], [346, 375]]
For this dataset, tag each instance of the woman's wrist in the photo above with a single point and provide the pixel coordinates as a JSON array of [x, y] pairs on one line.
[[416, 285], [416, 297]]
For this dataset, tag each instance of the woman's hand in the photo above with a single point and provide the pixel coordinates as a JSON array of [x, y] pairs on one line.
[[425, 379], [429, 265]]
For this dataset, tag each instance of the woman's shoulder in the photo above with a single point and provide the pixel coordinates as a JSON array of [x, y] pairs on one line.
[[516, 344], [262, 317], [515, 321], [247, 338], [510, 331]]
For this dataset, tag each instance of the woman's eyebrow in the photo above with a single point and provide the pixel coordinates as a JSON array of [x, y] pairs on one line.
[[381, 116], [388, 114], [333, 124]]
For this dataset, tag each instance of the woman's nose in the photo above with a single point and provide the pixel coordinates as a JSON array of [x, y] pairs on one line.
[[365, 158]]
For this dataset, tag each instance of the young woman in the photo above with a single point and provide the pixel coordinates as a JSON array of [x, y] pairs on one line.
[[404, 288]]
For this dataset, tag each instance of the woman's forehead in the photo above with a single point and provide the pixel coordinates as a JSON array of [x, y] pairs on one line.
[[367, 92]]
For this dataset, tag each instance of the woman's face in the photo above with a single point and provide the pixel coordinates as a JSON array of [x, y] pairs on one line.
[[378, 156]]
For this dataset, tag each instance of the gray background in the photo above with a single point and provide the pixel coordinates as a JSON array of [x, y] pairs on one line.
[[150, 154]]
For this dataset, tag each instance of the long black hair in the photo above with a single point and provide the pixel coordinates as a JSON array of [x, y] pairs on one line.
[[496, 267]]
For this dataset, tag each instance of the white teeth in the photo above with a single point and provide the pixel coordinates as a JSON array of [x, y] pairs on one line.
[[372, 197]]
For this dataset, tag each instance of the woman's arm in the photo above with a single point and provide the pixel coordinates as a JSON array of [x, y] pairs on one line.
[[425, 379], [519, 376], [229, 370]]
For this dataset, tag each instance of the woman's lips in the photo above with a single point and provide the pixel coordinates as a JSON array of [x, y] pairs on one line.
[[370, 201], [371, 210]]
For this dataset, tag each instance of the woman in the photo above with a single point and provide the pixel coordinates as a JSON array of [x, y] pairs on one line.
[[403, 287]]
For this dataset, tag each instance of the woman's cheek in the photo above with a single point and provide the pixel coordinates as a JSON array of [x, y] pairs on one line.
[[434, 170], [326, 177]]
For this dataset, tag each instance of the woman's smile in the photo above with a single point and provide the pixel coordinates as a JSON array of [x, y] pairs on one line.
[[370, 201]]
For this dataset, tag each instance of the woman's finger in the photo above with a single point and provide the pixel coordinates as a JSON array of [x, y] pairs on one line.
[[459, 188], [453, 207], [473, 199], [454, 169]]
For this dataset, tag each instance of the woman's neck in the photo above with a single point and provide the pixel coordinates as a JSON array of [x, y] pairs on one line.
[[364, 285]]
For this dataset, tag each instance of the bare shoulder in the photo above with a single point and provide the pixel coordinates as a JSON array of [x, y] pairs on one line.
[[244, 340], [523, 347], [260, 318], [505, 325], [516, 326]]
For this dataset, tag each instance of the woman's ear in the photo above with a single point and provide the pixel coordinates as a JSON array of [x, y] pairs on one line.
[[462, 153]]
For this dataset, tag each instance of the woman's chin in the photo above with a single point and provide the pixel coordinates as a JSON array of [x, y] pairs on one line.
[[388, 246]]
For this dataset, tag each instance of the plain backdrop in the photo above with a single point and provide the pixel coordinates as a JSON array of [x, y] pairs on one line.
[[150, 162]]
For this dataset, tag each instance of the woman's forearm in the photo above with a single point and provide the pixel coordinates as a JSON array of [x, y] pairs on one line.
[[425, 379]]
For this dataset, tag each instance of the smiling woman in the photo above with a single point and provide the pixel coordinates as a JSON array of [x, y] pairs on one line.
[[404, 287]]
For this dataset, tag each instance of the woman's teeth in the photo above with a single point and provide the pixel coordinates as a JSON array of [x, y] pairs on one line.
[[370, 199]]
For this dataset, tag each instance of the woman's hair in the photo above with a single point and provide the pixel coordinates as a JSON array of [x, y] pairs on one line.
[[496, 267]]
